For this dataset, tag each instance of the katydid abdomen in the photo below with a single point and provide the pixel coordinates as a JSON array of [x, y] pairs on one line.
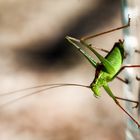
[[116, 56]]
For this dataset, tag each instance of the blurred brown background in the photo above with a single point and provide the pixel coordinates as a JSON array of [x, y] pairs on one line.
[[33, 51]]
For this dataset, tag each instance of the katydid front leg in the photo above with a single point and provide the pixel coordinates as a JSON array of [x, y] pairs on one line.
[[107, 89]]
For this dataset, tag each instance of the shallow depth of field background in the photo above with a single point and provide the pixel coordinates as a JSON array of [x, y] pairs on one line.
[[33, 51]]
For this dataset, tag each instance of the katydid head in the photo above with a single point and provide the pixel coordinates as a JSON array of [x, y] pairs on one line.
[[96, 90]]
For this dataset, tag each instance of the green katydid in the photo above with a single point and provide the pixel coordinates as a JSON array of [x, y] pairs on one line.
[[108, 69]]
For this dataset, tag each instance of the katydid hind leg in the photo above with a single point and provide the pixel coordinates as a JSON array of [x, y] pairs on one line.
[[110, 93], [108, 66], [76, 43]]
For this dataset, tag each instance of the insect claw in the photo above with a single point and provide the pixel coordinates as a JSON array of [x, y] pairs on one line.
[[129, 19], [90, 45], [138, 78], [138, 125], [127, 81], [137, 51], [136, 106], [121, 41]]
